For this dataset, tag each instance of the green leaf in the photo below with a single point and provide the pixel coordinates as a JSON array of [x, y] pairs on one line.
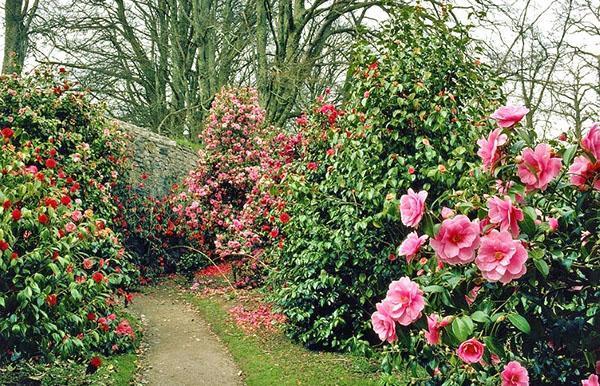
[[462, 328], [569, 154], [542, 266], [433, 289], [480, 316], [528, 223], [519, 322]]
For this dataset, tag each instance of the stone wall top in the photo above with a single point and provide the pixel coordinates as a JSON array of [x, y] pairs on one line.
[[158, 161]]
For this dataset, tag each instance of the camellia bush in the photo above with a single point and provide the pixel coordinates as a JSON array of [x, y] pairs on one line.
[[505, 287], [63, 270], [416, 103], [228, 208]]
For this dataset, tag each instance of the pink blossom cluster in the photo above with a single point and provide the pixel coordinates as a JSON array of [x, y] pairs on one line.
[[403, 304], [227, 204], [491, 241]]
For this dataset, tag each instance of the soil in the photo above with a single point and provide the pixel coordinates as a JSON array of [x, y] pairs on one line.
[[180, 347]]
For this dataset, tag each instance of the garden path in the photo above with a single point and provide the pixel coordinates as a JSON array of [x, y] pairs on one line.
[[182, 350]]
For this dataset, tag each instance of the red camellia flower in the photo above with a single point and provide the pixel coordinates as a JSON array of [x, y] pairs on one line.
[[51, 300], [284, 218], [312, 166], [6, 204], [91, 316], [95, 362], [97, 277], [3, 245], [50, 163], [16, 214], [14, 256], [7, 132], [43, 218], [65, 200], [51, 203]]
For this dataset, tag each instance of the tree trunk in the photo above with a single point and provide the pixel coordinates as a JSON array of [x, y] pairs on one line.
[[15, 37]]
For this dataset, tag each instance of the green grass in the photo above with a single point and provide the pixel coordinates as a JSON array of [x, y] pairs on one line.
[[272, 359]]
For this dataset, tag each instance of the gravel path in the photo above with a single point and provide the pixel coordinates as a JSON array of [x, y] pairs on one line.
[[181, 348]]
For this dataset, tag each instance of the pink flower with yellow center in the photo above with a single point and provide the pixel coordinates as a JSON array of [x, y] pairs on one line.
[[501, 258], [406, 301], [457, 240]]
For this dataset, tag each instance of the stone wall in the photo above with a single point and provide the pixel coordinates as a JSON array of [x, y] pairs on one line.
[[159, 158]]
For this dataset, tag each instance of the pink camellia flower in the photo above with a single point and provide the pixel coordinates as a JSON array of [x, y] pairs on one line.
[[76, 215], [70, 227], [302, 120], [503, 212], [447, 213], [406, 301], [553, 224], [538, 167], [383, 324], [31, 169], [501, 258], [488, 148], [457, 240], [580, 171], [514, 375], [591, 141], [508, 116], [470, 351], [411, 246], [434, 325], [412, 207], [591, 381], [583, 171]]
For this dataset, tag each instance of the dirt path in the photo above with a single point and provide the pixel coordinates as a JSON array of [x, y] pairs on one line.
[[181, 348]]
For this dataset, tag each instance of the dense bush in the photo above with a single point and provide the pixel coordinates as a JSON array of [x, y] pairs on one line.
[[62, 268], [416, 104], [509, 281], [226, 209]]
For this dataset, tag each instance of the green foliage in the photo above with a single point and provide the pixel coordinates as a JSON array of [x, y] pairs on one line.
[[417, 100], [59, 258]]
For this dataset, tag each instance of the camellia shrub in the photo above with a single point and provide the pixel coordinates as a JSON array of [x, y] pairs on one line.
[[229, 204], [415, 106], [505, 287], [156, 236], [62, 268], [227, 209]]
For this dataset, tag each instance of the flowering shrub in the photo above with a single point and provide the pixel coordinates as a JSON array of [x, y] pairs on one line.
[[416, 105], [155, 234], [60, 261], [509, 279], [229, 207]]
